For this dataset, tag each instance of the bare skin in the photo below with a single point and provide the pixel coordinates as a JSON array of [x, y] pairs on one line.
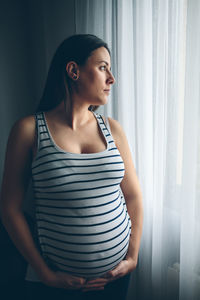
[[76, 126]]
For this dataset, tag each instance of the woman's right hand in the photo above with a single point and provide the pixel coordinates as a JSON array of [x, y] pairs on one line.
[[64, 280]]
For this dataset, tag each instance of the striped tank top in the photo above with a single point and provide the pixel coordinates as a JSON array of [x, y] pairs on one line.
[[83, 226]]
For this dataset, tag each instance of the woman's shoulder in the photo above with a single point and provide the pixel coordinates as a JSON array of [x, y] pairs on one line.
[[115, 125], [23, 130], [116, 129]]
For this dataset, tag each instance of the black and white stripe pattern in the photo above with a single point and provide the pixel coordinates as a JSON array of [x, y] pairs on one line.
[[82, 219]]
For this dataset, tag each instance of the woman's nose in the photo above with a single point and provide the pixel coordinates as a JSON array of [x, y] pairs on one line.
[[111, 78]]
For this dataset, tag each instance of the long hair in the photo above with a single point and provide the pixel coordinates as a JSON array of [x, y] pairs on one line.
[[76, 48]]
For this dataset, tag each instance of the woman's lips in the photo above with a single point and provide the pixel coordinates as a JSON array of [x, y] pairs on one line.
[[107, 91]]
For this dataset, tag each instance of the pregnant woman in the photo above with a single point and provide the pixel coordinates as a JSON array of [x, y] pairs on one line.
[[88, 202]]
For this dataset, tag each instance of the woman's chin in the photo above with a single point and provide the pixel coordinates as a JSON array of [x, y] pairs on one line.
[[102, 102]]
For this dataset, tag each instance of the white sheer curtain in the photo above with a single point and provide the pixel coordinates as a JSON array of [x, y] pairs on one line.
[[155, 47]]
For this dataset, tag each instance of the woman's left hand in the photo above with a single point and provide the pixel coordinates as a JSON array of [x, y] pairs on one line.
[[123, 268]]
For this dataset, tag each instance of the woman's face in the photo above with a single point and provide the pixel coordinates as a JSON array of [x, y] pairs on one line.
[[95, 78]]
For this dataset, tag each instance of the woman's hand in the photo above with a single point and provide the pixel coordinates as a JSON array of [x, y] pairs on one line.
[[123, 268], [65, 281]]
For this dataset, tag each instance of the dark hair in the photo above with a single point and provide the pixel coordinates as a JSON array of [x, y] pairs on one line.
[[76, 48]]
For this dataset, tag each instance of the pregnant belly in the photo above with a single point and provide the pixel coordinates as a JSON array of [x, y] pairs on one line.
[[83, 244]]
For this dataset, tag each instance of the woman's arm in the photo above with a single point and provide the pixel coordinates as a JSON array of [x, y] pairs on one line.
[[17, 173], [133, 196]]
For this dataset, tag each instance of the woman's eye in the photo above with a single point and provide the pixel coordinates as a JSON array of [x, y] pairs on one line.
[[103, 68]]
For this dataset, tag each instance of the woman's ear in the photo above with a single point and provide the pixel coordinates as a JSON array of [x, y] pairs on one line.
[[72, 70]]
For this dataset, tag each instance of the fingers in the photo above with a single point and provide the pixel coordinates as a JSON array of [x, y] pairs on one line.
[[97, 280], [75, 282], [68, 281], [95, 284], [93, 287], [119, 271], [78, 281]]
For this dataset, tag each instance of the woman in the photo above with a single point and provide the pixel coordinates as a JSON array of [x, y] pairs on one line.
[[86, 189]]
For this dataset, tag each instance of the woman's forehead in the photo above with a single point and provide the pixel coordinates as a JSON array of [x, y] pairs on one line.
[[100, 55]]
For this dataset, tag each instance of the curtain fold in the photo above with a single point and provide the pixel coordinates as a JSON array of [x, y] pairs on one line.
[[155, 46], [190, 234]]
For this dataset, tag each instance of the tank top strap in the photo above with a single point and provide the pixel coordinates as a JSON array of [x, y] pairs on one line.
[[107, 124], [105, 128], [42, 131]]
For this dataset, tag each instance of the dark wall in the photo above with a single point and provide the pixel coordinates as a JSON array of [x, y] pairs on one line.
[[30, 32]]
